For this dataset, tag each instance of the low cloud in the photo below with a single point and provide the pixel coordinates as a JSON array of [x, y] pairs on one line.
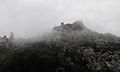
[[28, 18]]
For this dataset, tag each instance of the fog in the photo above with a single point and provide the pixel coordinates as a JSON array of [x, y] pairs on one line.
[[27, 18]]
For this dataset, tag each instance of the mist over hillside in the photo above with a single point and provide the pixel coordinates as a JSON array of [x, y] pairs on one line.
[[59, 36], [70, 47]]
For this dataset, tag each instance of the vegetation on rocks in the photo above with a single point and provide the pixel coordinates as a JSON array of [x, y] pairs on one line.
[[68, 49]]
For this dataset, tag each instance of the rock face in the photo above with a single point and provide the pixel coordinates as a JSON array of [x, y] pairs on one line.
[[79, 30], [76, 26], [101, 51], [69, 48]]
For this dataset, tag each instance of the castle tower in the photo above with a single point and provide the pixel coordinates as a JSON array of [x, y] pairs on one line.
[[11, 35], [62, 24]]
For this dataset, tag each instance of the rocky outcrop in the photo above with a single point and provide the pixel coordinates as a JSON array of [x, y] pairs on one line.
[[76, 26]]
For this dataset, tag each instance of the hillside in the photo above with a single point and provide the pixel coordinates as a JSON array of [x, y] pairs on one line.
[[78, 30], [68, 48]]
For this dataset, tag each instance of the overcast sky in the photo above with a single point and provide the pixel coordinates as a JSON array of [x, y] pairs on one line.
[[33, 17]]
